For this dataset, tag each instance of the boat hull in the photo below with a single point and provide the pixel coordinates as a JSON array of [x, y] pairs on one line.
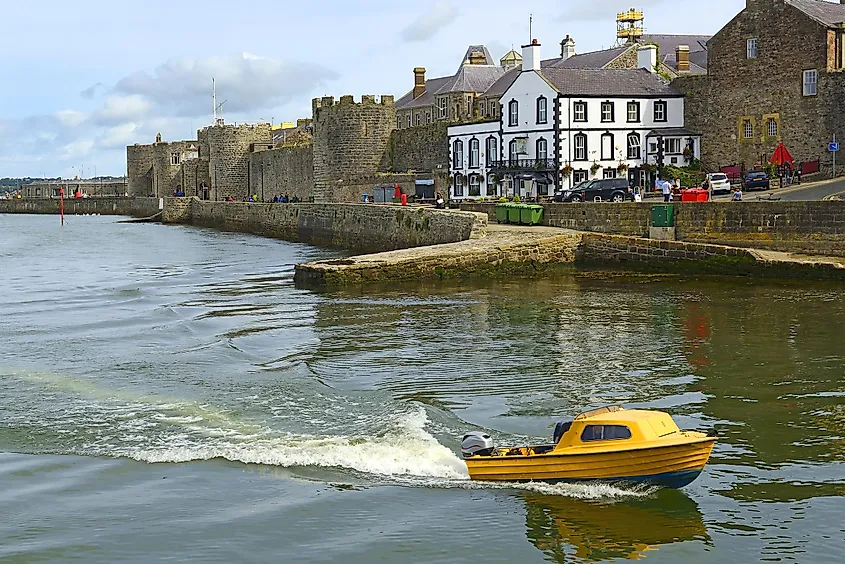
[[671, 466]]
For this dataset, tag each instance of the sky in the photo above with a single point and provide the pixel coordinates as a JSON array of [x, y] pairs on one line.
[[81, 80]]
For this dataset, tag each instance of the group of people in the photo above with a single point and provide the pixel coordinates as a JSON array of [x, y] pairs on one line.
[[672, 190]]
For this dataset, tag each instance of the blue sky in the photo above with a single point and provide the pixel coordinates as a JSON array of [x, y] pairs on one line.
[[81, 80]]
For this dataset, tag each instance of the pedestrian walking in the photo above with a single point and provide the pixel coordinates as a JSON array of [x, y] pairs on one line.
[[666, 188]]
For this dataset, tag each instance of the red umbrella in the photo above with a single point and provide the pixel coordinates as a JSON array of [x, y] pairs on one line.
[[781, 156]]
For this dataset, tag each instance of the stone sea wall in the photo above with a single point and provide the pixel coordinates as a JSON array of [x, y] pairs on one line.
[[359, 227], [135, 207], [803, 227]]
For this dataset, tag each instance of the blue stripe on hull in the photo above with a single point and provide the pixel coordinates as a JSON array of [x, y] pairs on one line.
[[666, 480]]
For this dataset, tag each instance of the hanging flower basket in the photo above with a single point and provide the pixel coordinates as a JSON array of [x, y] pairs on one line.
[[566, 171], [594, 168], [622, 167]]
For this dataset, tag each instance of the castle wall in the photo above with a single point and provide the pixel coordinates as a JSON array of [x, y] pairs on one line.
[[192, 173], [229, 155], [349, 139], [284, 170], [139, 161], [417, 149]]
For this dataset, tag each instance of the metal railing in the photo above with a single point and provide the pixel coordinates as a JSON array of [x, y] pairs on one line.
[[524, 164]]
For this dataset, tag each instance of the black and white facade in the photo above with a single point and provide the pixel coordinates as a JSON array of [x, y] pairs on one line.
[[560, 126]]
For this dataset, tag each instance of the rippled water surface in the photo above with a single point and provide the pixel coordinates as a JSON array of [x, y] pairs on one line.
[[167, 393]]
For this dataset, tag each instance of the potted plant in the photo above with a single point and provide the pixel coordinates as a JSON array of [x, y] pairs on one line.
[[566, 171], [594, 168], [516, 199]]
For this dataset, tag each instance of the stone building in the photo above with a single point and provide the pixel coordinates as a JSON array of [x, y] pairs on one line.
[[774, 73], [449, 98]]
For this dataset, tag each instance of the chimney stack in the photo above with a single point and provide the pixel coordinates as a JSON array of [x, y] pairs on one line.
[[682, 56], [419, 82], [647, 57], [531, 56], [567, 47]]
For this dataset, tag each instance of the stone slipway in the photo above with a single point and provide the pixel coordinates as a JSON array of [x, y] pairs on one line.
[[534, 251]]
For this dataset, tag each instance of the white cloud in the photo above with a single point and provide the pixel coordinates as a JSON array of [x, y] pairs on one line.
[[77, 149], [70, 118], [119, 136], [426, 26], [118, 109], [246, 82]]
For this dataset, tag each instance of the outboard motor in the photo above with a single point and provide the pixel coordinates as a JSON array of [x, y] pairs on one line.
[[476, 443]]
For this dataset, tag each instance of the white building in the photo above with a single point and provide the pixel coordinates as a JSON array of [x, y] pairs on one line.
[[560, 126]]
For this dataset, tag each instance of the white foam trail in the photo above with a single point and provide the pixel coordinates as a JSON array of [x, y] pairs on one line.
[[408, 450]]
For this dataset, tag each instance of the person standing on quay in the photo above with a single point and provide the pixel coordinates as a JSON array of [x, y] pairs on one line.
[[666, 188]]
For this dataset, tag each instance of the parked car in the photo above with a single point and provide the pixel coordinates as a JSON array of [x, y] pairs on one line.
[[602, 190], [560, 193], [757, 179], [719, 183]]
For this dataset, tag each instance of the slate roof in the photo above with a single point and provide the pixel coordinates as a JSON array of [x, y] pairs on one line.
[[826, 13], [590, 60], [431, 86], [668, 42], [488, 58], [471, 78], [671, 132], [608, 82], [503, 83]]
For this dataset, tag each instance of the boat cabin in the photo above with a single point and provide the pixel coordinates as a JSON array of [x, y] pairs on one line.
[[613, 423]]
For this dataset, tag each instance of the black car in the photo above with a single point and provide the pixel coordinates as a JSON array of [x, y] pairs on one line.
[[758, 179], [602, 190]]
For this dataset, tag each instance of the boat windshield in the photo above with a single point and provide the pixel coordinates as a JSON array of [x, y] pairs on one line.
[[560, 429]]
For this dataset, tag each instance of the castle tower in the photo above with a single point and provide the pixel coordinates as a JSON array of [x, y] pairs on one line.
[[228, 149], [139, 165], [349, 139]]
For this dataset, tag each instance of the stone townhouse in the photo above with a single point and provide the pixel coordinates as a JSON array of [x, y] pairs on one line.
[[774, 73], [449, 98], [561, 126]]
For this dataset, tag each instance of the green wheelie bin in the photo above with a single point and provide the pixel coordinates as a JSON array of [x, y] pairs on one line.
[[531, 214], [502, 212], [513, 212]]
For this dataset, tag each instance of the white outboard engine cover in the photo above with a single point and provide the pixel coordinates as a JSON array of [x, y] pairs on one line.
[[476, 443]]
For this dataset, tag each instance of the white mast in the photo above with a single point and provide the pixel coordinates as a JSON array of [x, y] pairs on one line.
[[213, 102]]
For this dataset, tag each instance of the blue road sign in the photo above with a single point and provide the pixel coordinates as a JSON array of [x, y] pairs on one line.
[[834, 146]]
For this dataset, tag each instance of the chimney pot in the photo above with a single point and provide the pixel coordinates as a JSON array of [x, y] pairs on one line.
[[682, 58], [419, 82]]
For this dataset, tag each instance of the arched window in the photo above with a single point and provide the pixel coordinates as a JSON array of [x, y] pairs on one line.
[[513, 113], [458, 189], [457, 154], [512, 154], [542, 112], [475, 185], [474, 153], [579, 143], [542, 149], [772, 127], [633, 145], [492, 185], [492, 150], [607, 146]]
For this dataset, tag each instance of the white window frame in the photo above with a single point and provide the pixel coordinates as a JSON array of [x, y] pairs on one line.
[[175, 158], [663, 107], [607, 112], [398, 122], [469, 106], [428, 116], [492, 189], [474, 153], [634, 149], [579, 176], [607, 156], [442, 107], [459, 185], [811, 80], [579, 111], [672, 146], [747, 129], [492, 150], [513, 113], [513, 151], [542, 110], [542, 149], [635, 106], [458, 154], [418, 119], [608, 172], [751, 48], [474, 185], [772, 127], [580, 153], [409, 120]]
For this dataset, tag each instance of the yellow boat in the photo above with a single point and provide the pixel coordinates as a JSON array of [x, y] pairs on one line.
[[607, 444]]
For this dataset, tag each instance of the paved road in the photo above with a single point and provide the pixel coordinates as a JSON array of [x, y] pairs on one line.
[[813, 191]]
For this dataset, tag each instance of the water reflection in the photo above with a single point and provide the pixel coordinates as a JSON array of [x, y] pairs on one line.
[[568, 529]]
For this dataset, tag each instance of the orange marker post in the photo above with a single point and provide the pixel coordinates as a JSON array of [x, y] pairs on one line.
[[62, 203]]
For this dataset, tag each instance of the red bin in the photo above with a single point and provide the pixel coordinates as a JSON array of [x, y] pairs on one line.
[[404, 199], [702, 195], [689, 195]]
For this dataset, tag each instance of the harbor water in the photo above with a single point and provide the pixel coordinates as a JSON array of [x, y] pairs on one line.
[[167, 393]]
